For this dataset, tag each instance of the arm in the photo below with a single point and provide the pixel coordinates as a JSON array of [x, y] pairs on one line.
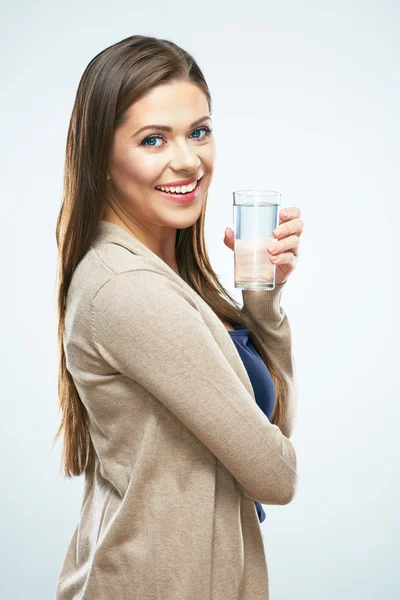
[[148, 328], [270, 321]]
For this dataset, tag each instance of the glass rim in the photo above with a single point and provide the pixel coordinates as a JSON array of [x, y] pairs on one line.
[[257, 192]]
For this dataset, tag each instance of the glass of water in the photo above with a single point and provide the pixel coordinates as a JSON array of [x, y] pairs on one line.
[[255, 216]]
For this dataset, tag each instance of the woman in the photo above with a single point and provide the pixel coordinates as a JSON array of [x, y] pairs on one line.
[[158, 410]]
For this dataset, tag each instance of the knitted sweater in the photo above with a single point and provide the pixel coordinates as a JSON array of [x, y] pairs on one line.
[[182, 448]]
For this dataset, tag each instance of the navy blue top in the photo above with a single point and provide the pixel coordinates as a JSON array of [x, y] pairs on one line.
[[260, 378]]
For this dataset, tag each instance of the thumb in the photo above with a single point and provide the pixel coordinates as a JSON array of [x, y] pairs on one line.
[[229, 238]]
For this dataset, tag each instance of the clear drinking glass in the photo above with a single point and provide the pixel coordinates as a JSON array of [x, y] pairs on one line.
[[255, 216]]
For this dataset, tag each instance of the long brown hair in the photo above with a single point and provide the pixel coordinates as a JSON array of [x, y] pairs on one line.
[[112, 81]]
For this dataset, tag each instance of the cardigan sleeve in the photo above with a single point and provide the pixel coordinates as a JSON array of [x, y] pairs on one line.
[[268, 318], [148, 328]]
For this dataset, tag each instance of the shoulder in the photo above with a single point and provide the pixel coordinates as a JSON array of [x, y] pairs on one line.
[[116, 258], [138, 305], [114, 286], [145, 288]]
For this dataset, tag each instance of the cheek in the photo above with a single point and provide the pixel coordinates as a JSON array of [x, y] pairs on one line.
[[139, 169], [208, 157]]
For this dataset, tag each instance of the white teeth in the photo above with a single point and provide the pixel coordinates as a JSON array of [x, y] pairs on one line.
[[179, 189]]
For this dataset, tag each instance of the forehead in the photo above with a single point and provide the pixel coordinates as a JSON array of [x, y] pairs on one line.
[[169, 104]]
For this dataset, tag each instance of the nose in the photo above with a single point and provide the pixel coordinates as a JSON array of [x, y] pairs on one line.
[[185, 159]]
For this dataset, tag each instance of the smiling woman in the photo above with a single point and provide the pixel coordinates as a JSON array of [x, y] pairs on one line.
[[136, 167], [158, 410]]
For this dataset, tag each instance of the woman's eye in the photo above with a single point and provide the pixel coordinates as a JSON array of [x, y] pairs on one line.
[[152, 138], [206, 130]]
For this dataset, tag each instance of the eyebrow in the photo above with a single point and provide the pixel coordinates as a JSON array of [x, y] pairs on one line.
[[167, 128]]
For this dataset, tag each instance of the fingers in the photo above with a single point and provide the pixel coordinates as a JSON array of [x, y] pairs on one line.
[[292, 212], [289, 243], [294, 225], [287, 258], [288, 235]]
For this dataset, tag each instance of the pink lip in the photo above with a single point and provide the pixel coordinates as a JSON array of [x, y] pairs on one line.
[[184, 199], [181, 182]]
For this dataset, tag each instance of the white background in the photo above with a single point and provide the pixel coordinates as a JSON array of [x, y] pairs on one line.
[[306, 101]]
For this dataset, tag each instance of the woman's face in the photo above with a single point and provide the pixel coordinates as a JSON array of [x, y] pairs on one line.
[[140, 161]]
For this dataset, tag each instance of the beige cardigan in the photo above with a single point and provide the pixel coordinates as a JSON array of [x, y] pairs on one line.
[[182, 448]]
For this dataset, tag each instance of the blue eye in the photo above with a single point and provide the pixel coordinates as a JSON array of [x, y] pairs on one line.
[[206, 130]]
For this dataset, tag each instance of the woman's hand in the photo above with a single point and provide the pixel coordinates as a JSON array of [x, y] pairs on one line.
[[287, 235]]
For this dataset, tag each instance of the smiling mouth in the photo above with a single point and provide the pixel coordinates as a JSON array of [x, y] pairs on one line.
[[168, 189]]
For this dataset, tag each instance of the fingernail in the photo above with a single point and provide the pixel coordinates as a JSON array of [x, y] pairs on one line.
[[284, 214]]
